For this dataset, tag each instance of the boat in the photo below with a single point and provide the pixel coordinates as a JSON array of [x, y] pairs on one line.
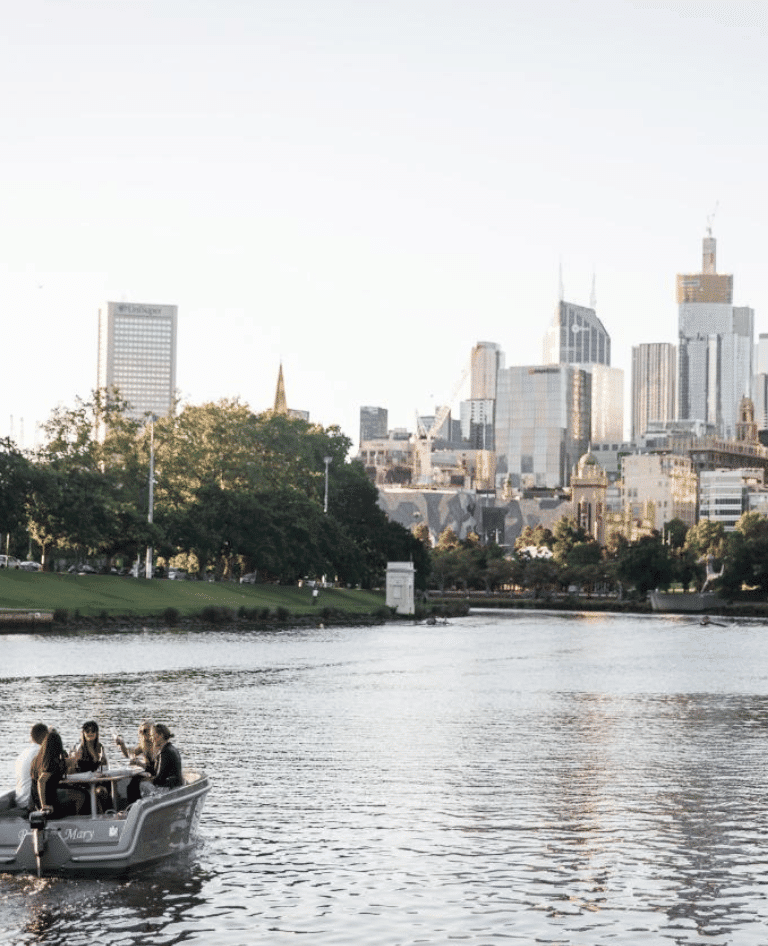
[[687, 602], [122, 839]]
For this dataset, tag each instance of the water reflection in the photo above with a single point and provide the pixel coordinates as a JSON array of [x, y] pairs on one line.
[[525, 778]]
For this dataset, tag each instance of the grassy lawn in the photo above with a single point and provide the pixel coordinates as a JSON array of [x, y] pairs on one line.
[[93, 595]]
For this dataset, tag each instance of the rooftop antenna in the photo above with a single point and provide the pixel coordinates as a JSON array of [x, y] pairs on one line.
[[593, 293], [560, 287], [711, 217]]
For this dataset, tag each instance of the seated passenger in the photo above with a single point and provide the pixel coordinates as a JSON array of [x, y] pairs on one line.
[[89, 754], [48, 768], [142, 753], [167, 768], [23, 766]]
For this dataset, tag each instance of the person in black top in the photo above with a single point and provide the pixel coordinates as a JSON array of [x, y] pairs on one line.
[[167, 761]]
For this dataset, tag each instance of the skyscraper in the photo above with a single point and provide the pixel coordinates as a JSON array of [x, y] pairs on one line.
[[715, 352], [487, 360], [654, 375], [137, 355], [542, 424], [373, 423], [578, 337]]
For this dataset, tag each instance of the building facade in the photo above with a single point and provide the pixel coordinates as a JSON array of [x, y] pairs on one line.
[[654, 385], [659, 487], [373, 423], [137, 355], [724, 495], [487, 361], [578, 337], [715, 351], [543, 422]]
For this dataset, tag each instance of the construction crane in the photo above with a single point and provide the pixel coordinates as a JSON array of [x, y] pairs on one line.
[[422, 439]]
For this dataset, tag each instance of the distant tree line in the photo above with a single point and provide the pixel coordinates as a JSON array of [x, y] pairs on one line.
[[546, 561], [234, 492]]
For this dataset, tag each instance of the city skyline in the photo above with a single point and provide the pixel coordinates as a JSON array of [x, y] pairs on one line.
[[361, 195]]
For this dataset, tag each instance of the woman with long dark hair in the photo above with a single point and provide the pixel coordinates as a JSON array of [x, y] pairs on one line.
[[89, 754], [48, 768]]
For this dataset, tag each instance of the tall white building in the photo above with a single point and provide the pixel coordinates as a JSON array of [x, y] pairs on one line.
[[137, 355], [716, 347], [654, 375]]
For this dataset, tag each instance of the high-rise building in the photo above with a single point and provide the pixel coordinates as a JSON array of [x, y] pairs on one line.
[[137, 355], [760, 382], [715, 352], [373, 423], [487, 360], [543, 420], [577, 337], [654, 388]]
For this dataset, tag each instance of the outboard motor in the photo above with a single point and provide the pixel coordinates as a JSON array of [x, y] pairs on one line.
[[38, 821]]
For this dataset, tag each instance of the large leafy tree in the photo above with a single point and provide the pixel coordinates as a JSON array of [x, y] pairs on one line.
[[645, 564], [15, 486], [746, 555]]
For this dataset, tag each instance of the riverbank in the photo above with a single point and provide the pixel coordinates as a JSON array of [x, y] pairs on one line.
[[748, 607], [73, 598]]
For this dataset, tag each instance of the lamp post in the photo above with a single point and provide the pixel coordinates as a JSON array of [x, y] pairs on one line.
[[150, 551], [327, 461]]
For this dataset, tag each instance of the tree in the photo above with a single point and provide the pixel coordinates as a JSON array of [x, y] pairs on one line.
[[15, 487], [746, 555], [421, 534], [675, 531], [447, 540], [706, 538], [646, 564]]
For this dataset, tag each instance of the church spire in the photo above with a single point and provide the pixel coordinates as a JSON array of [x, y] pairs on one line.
[[281, 405]]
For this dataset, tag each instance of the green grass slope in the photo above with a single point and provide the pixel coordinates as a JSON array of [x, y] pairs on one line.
[[94, 595]]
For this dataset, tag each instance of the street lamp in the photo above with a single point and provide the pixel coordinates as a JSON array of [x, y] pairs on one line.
[[150, 551], [327, 462]]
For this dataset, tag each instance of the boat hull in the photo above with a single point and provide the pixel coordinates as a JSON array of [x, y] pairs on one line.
[[690, 602], [153, 828]]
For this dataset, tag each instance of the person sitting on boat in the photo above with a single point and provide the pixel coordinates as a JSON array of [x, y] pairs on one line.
[[48, 768], [89, 756], [167, 766], [24, 766], [142, 753]]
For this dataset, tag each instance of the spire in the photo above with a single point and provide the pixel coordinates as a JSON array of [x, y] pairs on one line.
[[560, 286], [593, 293], [281, 405]]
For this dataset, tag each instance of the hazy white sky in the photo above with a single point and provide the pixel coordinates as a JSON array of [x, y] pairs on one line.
[[363, 189]]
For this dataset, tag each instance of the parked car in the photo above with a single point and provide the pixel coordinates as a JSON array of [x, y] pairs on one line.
[[250, 579], [82, 569], [8, 561], [176, 574], [30, 566]]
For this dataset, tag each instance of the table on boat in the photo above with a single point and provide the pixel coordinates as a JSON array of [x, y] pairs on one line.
[[92, 779]]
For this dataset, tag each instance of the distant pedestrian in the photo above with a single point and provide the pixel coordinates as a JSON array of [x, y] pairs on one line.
[[315, 593]]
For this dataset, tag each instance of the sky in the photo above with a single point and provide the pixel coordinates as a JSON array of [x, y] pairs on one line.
[[363, 190]]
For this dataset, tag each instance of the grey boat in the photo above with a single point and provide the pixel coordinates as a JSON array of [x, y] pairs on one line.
[[152, 828]]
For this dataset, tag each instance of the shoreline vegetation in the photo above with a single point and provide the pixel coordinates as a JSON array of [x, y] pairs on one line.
[[99, 600]]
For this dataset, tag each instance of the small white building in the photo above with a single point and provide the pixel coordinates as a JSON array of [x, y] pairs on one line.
[[401, 585]]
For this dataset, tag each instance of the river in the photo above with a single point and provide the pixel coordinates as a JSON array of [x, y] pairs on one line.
[[509, 778]]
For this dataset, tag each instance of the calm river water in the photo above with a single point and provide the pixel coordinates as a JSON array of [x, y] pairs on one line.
[[510, 778]]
